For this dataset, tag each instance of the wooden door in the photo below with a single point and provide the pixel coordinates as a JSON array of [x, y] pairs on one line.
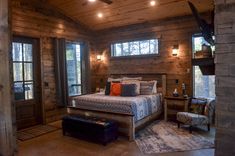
[[26, 81]]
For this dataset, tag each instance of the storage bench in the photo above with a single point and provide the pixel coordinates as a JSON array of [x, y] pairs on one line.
[[90, 128]]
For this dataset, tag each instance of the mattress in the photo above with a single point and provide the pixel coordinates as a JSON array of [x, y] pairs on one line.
[[139, 106]]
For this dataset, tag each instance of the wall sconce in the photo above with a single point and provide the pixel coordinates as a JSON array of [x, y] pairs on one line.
[[175, 50], [99, 57]]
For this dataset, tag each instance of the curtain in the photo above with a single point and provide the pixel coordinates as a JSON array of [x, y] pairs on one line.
[[60, 71], [85, 56]]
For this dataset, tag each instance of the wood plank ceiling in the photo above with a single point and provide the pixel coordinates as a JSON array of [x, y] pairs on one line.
[[125, 12]]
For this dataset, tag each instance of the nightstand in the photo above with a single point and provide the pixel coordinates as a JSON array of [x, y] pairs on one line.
[[172, 105]]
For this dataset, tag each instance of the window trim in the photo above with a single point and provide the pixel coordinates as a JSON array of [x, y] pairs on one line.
[[134, 56]]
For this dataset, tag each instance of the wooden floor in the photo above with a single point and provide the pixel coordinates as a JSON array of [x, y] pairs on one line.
[[55, 144]]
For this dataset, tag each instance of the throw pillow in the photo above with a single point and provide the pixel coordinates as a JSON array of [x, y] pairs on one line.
[[107, 88], [115, 89], [128, 90], [197, 106], [147, 87], [136, 82]]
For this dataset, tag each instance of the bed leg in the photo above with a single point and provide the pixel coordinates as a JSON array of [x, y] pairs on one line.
[[132, 129]]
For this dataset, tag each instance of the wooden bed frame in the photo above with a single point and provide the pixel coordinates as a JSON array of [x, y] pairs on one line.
[[126, 123]]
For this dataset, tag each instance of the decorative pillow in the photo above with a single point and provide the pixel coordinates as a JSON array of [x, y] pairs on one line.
[[197, 106], [115, 89], [132, 78], [154, 86], [136, 82], [107, 88], [146, 88], [108, 85], [128, 90]]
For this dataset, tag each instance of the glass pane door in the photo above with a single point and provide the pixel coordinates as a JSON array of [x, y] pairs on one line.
[[73, 61], [22, 54]]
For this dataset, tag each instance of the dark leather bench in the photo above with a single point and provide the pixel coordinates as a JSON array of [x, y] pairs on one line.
[[89, 128]]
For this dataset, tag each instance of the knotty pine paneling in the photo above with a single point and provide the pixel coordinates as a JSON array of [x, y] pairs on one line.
[[30, 22], [170, 32]]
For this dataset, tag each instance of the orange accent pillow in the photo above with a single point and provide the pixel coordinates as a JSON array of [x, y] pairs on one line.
[[115, 89]]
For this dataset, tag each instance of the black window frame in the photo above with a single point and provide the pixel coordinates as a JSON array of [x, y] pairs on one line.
[[112, 49]]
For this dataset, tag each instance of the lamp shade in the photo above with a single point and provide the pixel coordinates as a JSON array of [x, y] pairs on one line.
[[175, 50]]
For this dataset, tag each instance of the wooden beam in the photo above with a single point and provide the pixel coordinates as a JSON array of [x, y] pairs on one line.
[[7, 136]]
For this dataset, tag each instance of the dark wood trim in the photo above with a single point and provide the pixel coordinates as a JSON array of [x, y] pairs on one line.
[[37, 79]]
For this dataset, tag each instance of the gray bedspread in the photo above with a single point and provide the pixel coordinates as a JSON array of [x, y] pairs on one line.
[[140, 106]]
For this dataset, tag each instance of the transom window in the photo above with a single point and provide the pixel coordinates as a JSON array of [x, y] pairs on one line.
[[132, 48]]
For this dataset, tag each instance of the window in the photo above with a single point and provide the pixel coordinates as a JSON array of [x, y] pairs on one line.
[[22, 55], [204, 85], [133, 48], [73, 62]]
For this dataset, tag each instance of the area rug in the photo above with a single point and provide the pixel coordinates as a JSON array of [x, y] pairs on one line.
[[163, 137], [36, 131]]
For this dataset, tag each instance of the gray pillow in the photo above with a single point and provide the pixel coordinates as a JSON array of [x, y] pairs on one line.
[[128, 90], [146, 88]]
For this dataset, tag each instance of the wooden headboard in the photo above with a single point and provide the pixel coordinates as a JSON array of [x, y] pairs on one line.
[[160, 77]]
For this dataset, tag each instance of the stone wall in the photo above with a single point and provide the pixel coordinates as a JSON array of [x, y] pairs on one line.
[[225, 77]]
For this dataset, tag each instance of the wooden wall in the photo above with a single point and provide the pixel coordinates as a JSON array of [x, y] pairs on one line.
[[170, 32], [7, 117], [38, 21]]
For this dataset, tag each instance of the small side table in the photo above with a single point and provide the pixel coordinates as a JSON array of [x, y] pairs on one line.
[[172, 105]]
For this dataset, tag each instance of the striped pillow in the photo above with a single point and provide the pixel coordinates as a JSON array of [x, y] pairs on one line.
[[147, 88]]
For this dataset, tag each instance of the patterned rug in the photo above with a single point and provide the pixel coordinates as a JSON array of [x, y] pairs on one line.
[[36, 131], [163, 137]]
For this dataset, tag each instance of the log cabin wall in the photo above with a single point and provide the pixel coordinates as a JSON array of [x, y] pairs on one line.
[[169, 32], [32, 20]]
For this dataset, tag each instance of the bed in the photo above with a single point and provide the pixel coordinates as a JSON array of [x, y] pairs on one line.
[[131, 113]]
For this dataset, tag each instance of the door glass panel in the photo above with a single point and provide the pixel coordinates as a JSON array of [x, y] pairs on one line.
[[28, 90], [28, 71], [23, 70], [28, 52], [19, 91], [17, 52], [73, 61], [18, 71]]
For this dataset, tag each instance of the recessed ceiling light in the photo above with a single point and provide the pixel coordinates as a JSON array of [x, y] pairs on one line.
[[91, 0], [152, 3], [100, 15]]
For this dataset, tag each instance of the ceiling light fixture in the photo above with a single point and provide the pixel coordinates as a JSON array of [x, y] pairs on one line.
[[100, 15], [91, 0], [152, 3]]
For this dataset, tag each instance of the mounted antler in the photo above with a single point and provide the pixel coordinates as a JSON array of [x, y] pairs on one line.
[[207, 30]]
